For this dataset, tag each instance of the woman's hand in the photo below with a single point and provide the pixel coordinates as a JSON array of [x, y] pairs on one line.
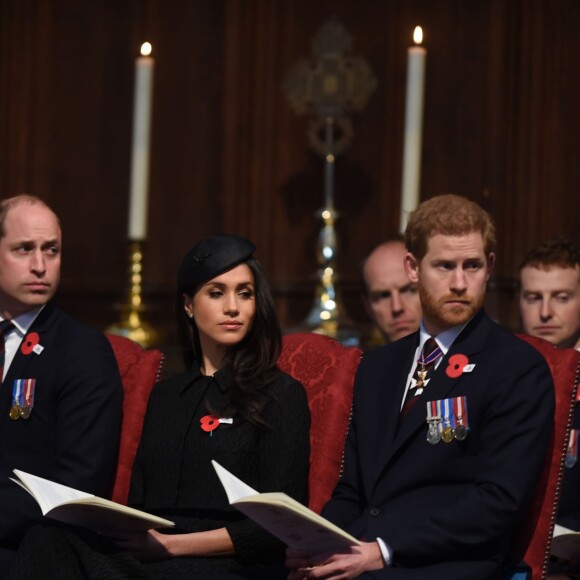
[[153, 545]]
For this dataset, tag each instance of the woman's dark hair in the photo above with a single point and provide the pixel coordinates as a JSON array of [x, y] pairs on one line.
[[252, 362]]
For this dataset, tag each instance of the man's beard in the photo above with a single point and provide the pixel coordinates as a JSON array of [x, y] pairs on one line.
[[444, 317]]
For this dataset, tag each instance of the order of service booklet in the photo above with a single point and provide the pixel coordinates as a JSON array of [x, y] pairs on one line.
[[284, 517], [565, 543], [78, 508]]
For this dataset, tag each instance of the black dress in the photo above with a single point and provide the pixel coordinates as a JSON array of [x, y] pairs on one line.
[[173, 477]]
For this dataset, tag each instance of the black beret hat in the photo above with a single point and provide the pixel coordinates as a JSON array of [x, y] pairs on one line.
[[211, 257]]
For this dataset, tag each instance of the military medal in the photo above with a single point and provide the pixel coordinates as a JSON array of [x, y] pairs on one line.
[[28, 393], [434, 422], [572, 451], [460, 430], [460, 412], [447, 420], [434, 432], [422, 374], [14, 412], [448, 433], [424, 362], [22, 398], [25, 411]]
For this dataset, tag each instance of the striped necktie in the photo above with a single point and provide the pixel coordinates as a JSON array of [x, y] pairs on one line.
[[5, 327]]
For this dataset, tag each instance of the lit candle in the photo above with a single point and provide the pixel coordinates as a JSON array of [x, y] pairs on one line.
[[140, 150], [416, 57]]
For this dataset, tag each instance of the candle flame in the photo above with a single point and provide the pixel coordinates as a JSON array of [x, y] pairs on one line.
[[146, 49], [418, 35]]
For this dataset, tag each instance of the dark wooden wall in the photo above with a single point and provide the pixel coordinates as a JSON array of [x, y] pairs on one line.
[[502, 120]]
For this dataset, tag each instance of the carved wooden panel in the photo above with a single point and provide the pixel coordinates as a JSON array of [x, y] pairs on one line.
[[229, 154]]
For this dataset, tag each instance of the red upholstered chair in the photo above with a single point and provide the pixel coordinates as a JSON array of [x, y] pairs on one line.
[[326, 369], [535, 535], [140, 369]]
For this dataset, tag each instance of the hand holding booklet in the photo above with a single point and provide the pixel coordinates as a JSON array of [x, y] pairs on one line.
[[284, 517], [78, 508]]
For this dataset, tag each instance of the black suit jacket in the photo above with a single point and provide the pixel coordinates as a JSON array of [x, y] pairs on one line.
[[447, 510], [569, 506], [72, 434]]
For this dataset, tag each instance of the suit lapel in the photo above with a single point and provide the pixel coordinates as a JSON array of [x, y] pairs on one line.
[[389, 407]]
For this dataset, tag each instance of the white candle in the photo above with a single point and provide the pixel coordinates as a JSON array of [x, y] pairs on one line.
[[140, 150], [416, 57]]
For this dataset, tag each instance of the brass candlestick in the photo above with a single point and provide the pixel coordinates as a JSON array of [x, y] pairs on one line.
[[326, 313], [130, 324], [329, 86]]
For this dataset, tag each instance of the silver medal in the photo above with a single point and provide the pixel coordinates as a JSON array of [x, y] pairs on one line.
[[434, 431]]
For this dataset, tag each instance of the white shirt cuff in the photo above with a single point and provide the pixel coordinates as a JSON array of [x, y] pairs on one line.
[[386, 552]]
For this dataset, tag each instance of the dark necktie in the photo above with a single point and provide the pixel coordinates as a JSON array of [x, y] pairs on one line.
[[5, 326], [425, 364]]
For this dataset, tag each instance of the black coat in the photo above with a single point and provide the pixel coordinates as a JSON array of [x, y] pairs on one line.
[[569, 507], [173, 475]]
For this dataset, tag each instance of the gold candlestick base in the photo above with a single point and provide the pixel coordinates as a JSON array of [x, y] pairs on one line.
[[130, 324], [327, 314]]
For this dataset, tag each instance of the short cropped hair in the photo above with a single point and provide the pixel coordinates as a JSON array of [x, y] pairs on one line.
[[392, 239], [450, 215], [7, 204], [560, 252]]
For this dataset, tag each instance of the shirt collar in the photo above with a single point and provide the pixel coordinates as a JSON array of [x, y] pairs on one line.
[[223, 378], [444, 340], [24, 321]]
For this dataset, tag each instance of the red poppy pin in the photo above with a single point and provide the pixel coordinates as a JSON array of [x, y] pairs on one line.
[[209, 423], [456, 367], [31, 344]]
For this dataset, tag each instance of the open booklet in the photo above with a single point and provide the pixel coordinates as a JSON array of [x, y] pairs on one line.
[[71, 506], [565, 543], [284, 517]]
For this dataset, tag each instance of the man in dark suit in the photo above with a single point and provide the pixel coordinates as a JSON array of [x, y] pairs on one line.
[[550, 309], [390, 298], [61, 394], [445, 446]]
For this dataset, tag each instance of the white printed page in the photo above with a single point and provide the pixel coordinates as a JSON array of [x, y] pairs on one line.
[[47, 493], [235, 488]]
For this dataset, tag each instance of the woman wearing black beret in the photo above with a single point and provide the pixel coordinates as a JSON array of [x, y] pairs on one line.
[[233, 405]]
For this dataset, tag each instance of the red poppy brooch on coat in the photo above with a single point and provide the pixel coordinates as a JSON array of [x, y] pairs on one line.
[[209, 422], [31, 343], [458, 364]]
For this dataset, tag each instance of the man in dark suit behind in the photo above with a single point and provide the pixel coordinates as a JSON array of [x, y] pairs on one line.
[[61, 394], [445, 448]]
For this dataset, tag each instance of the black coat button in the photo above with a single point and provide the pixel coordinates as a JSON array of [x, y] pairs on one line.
[[374, 512]]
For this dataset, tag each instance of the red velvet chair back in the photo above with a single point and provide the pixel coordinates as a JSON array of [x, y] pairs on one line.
[[535, 535], [140, 370], [326, 369]]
